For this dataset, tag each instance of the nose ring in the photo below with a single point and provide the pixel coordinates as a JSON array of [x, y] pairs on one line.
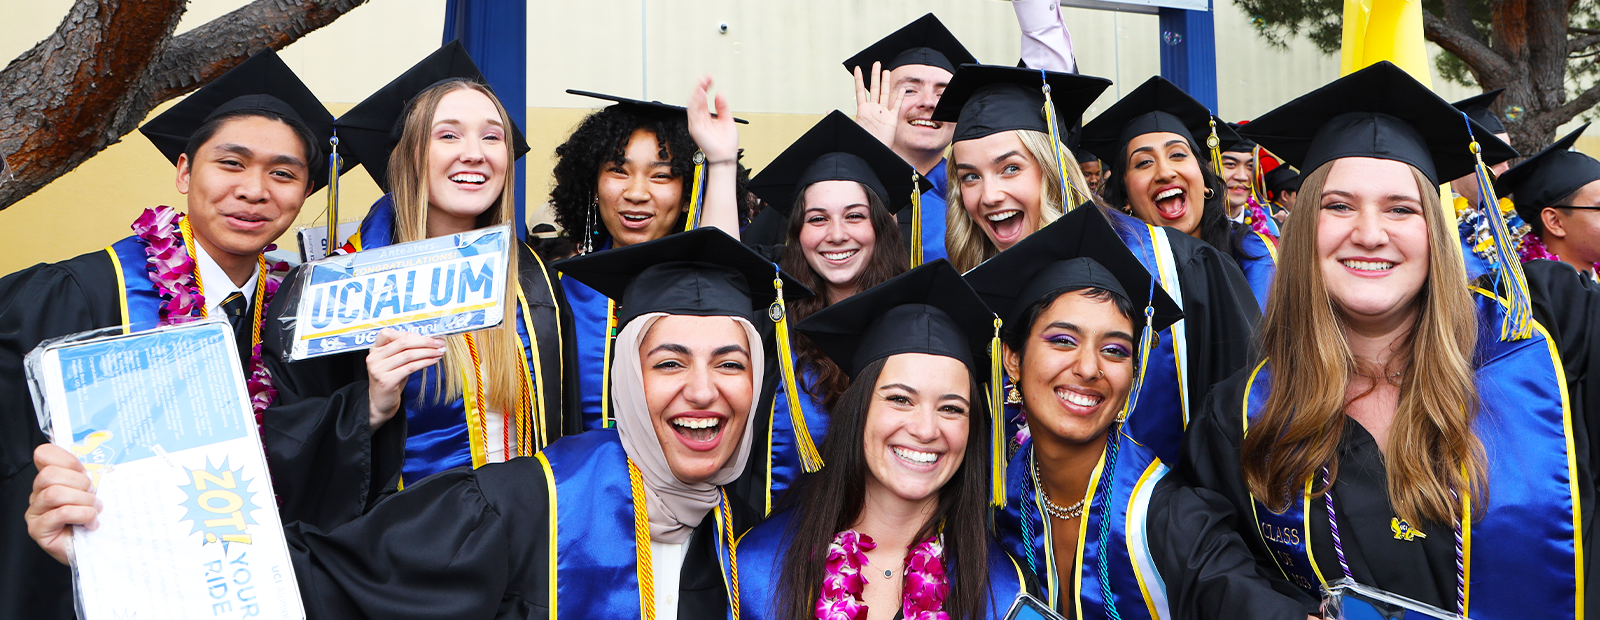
[[1102, 373]]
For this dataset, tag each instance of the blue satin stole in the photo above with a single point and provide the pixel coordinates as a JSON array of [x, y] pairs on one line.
[[762, 551], [1164, 408], [1523, 552], [1258, 259], [933, 214], [1136, 586], [596, 563], [141, 304], [785, 453], [590, 318]]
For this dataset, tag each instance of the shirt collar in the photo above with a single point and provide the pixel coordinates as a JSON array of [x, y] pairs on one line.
[[217, 285]]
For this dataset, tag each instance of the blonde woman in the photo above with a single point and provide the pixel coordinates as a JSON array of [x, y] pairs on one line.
[[1005, 177], [1402, 429], [339, 437]]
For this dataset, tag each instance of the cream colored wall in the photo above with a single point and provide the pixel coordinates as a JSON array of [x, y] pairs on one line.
[[779, 65]]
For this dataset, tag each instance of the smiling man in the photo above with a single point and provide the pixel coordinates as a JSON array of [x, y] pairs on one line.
[[247, 149], [899, 81]]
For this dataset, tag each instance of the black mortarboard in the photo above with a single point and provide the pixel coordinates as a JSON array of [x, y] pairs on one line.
[[1084, 156], [645, 108], [922, 42], [702, 272], [1382, 112], [1235, 143], [373, 127], [835, 149], [1078, 250], [1480, 108], [1542, 180], [262, 82], [987, 99], [929, 310], [1155, 106], [1283, 178]]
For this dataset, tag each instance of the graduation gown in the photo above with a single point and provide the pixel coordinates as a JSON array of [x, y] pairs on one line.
[[100, 289], [1119, 500], [762, 552], [1212, 342], [1257, 256], [1225, 555], [329, 467], [545, 537]]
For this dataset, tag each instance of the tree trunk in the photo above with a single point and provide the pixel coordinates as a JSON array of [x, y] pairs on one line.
[[111, 62]]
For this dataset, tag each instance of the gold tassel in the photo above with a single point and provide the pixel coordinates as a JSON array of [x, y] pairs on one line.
[[1518, 323], [916, 222], [1146, 340], [810, 459], [1058, 146], [697, 192], [1214, 144], [997, 423]]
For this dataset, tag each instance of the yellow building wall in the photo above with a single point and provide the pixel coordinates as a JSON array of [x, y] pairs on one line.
[[778, 63]]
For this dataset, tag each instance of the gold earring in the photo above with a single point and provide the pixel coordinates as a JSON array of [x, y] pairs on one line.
[[1210, 192], [1013, 397]]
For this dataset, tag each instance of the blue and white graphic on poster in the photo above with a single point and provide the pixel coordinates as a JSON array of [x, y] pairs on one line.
[[445, 285], [162, 422]]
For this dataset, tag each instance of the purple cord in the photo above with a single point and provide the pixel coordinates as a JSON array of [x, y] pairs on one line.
[[1338, 548]]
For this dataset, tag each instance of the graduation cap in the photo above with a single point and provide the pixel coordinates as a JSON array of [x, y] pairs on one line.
[[639, 107], [1156, 106], [260, 83], [1235, 143], [1382, 112], [1477, 108], [1283, 178], [836, 149], [373, 128], [923, 42], [1553, 174], [1078, 250], [930, 309], [987, 99]]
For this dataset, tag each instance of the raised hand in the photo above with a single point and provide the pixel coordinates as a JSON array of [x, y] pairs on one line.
[[717, 136], [391, 360], [878, 107]]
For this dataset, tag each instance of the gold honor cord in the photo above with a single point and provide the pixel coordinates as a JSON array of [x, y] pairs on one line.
[[333, 241], [1069, 198], [997, 423], [641, 545], [810, 459], [725, 509], [1214, 145], [1258, 180], [1518, 322], [916, 221], [697, 192]]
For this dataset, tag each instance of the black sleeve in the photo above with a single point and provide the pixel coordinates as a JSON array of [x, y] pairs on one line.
[[571, 415], [440, 549], [1220, 313], [547, 306], [327, 465], [1210, 557]]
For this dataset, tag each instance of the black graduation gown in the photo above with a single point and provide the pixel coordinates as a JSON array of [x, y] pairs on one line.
[[327, 466], [1215, 563], [42, 302], [468, 544]]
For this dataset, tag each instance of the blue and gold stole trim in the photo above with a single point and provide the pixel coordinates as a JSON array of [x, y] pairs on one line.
[[1164, 398], [1258, 259], [1138, 590], [595, 558], [141, 304], [1526, 547], [782, 447]]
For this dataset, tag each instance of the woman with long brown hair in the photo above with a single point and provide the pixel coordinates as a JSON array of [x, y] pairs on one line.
[[999, 180], [347, 427], [838, 188], [1403, 429]]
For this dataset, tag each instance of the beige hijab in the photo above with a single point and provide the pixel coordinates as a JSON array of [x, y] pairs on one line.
[[675, 507]]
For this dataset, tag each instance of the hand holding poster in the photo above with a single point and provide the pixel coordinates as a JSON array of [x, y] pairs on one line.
[[440, 286], [163, 425]]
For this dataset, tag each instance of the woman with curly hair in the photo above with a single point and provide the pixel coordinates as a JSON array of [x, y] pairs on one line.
[[626, 176]]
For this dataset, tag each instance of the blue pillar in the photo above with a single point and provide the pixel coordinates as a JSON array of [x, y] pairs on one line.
[[1189, 52], [495, 33]]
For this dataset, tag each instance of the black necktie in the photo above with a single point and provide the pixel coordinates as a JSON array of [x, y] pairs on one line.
[[237, 310]]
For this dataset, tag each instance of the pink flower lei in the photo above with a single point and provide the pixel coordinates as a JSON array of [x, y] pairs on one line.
[[924, 591], [171, 271]]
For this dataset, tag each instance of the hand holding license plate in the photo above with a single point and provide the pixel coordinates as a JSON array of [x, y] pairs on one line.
[[439, 286]]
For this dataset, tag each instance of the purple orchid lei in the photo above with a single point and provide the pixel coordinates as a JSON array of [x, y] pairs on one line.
[[172, 272], [925, 589]]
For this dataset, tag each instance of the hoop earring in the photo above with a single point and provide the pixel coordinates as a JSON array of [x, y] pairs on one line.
[[1013, 397], [1210, 192]]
